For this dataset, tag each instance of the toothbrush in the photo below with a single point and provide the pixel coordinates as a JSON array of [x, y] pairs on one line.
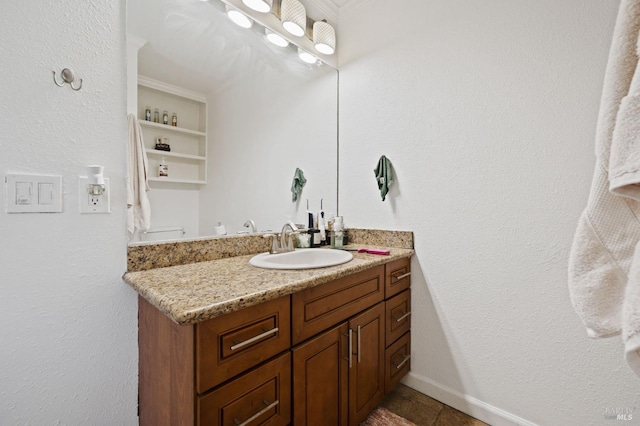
[[323, 234], [310, 221]]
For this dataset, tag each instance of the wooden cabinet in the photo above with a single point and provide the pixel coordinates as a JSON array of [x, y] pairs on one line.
[[187, 159], [180, 365], [351, 345]]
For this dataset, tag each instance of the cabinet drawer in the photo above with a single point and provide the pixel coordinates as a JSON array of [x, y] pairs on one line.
[[397, 276], [318, 308], [397, 361], [398, 316], [233, 343], [259, 397]]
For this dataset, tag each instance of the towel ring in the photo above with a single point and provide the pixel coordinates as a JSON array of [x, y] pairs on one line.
[[68, 76]]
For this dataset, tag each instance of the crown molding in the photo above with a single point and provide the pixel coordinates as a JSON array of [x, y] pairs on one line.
[[328, 8], [350, 7]]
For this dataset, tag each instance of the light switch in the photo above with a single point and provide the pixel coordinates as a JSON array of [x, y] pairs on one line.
[[24, 191], [21, 195], [45, 194]]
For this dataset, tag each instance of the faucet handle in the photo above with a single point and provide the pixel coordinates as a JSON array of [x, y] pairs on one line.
[[290, 243], [274, 242]]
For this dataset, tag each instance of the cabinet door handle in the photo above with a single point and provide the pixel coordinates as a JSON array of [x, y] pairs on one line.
[[399, 277], [359, 357], [258, 414], [403, 362], [402, 317], [350, 347], [255, 338]]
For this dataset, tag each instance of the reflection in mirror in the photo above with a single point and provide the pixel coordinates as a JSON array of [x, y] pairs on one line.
[[254, 113]]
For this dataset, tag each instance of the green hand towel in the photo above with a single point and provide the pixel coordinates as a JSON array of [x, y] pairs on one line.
[[384, 176], [297, 184]]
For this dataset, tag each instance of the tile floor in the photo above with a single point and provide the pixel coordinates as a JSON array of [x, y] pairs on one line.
[[425, 411]]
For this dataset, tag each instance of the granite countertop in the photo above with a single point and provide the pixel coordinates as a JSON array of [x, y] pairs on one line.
[[196, 292]]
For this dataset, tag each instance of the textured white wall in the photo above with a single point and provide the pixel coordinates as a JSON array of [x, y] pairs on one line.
[[259, 131], [488, 112], [69, 323]]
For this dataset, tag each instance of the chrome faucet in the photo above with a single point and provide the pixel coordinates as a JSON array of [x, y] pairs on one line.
[[252, 224], [286, 241]]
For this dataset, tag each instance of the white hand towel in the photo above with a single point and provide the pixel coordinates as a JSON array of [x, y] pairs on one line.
[[605, 255], [138, 208]]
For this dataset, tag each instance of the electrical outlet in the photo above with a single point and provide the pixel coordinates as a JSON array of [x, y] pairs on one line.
[[93, 203]]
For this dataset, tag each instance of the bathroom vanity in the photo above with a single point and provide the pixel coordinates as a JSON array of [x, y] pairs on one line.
[[225, 343]]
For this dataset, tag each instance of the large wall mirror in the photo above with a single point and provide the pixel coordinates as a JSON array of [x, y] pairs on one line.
[[267, 113]]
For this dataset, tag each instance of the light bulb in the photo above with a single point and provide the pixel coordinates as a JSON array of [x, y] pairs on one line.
[[324, 37], [294, 17], [239, 18], [306, 56], [263, 6], [276, 38]]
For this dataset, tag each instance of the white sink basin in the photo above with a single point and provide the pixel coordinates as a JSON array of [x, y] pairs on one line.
[[301, 259]]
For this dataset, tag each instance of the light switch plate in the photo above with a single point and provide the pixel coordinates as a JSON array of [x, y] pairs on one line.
[[33, 193]]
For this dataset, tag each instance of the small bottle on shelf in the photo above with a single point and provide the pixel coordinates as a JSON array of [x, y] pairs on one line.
[[156, 115], [165, 117], [147, 114], [163, 169], [174, 120]]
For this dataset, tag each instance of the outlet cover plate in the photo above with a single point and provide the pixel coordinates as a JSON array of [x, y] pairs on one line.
[[92, 204]]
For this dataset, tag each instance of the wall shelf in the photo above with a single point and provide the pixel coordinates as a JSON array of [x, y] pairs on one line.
[[174, 180], [175, 154], [187, 160], [166, 127]]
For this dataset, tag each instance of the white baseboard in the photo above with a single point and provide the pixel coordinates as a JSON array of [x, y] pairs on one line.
[[465, 403]]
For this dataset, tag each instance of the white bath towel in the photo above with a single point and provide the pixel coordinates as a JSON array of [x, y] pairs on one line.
[[138, 208], [604, 267]]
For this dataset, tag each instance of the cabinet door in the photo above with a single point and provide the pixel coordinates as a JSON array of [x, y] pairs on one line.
[[320, 379], [262, 396], [366, 375]]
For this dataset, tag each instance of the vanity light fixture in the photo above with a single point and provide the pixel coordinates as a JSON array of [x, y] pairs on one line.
[[324, 37], [306, 56], [294, 17], [239, 18], [262, 6], [276, 38]]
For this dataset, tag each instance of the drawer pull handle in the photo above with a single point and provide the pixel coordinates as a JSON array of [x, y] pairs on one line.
[[404, 361], [253, 339], [399, 277], [258, 414], [402, 317]]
